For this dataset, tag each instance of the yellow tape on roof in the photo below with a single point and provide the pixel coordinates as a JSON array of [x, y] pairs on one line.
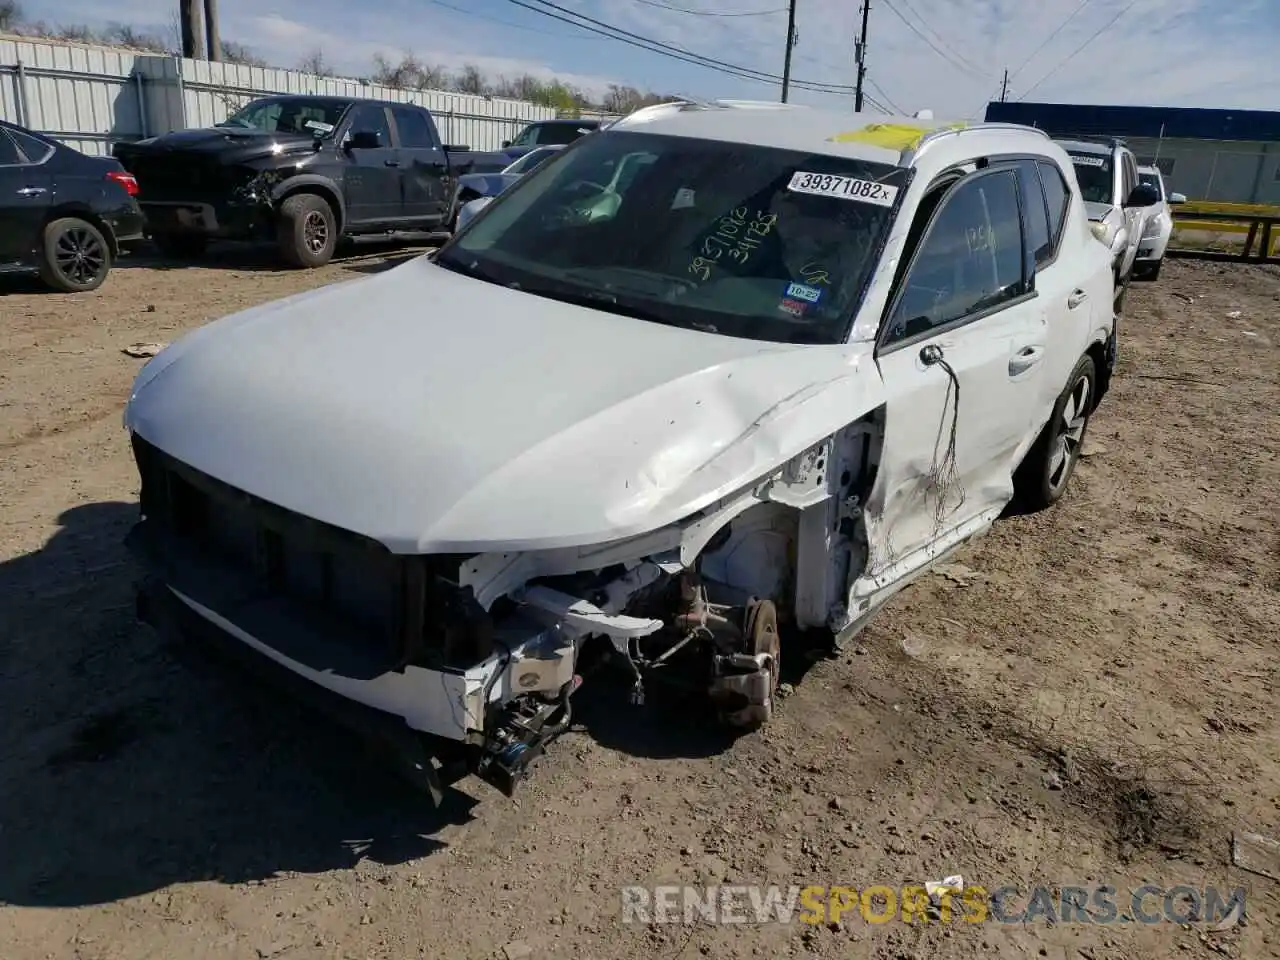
[[891, 136]]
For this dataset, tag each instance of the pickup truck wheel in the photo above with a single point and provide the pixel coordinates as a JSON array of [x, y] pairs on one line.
[[1042, 478], [180, 246], [306, 230], [74, 256]]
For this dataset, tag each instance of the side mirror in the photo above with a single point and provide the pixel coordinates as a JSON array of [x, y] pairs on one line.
[[456, 148], [1177, 198], [505, 144], [364, 140], [470, 209], [1142, 196]]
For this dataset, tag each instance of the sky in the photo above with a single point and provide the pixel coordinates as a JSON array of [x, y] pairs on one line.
[[947, 56]]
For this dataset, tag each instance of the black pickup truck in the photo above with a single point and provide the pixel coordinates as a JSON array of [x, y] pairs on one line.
[[302, 171]]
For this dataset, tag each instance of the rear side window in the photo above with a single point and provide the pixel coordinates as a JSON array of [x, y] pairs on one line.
[[8, 152], [1035, 213], [36, 150], [415, 131], [1056, 197]]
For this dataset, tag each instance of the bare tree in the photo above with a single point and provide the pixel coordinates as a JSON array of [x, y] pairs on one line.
[[470, 80], [122, 35], [233, 52], [409, 74], [315, 63]]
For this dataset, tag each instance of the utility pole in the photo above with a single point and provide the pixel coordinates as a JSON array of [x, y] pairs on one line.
[[791, 42], [191, 18], [860, 54], [1004, 86], [212, 34]]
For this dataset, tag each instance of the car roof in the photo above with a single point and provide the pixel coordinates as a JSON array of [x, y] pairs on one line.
[[894, 140]]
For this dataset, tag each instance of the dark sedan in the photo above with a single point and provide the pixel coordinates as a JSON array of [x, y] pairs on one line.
[[63, 215], [475, 185]]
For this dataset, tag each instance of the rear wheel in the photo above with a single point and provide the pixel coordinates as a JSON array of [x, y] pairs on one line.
[[1149, 271], [306, 230], [1042, 478], [74, 256], [181, 246]]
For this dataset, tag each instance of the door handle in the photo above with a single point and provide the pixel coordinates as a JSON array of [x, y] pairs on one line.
[[1024, 360], [391, 163], [1077, 297], [32, 191]]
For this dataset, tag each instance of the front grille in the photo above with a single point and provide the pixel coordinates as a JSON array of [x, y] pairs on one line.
[[345, 577]]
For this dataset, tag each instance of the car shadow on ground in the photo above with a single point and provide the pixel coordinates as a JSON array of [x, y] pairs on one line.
[[677, 722], [124, 769]]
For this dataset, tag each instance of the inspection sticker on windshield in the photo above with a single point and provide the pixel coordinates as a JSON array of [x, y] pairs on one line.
[[798, 291], [1087, 161], [844, 188], [319, 126]]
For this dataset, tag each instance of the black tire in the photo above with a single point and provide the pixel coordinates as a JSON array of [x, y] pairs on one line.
[[1122, 287], [181, 246], [1152, 272], [1042, 477], [75, 256], [306, 231]]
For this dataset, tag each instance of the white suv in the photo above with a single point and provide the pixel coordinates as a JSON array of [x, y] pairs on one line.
[[714, 373], [1118, 203], [1158, 228]]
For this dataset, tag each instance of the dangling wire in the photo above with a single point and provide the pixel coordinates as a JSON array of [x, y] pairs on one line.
[[943, 476]]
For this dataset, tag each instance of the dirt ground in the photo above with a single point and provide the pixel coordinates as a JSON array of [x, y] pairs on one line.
[[1089, 698]]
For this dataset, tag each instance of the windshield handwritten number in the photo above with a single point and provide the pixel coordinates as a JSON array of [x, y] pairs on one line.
[[701, 268]]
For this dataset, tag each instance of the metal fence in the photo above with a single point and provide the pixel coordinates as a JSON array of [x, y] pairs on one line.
[[90, 97]]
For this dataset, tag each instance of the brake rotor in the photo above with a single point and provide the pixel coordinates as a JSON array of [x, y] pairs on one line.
[[761, 632]]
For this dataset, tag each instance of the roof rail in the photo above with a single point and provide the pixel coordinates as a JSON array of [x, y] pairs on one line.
[[1094, 138], [933, 136]]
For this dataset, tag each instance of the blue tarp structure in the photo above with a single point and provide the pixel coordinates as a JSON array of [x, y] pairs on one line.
[[1185, 123]]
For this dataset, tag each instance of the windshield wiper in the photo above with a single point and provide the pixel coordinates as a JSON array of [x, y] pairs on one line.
[[473, 269]]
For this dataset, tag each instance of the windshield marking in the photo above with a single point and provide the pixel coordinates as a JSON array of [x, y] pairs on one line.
[[843, 188], [725, 238]]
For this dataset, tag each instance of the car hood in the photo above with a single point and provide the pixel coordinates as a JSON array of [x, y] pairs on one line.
[[228, 143], [435, 412], [1097, 212], [487, 184]]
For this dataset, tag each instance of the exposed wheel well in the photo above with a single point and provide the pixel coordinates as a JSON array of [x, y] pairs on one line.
[[323, 192]]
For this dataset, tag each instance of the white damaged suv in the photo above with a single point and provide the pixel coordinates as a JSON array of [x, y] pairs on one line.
[[717, 373]]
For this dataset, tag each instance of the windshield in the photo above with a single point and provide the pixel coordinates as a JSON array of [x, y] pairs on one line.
[[1152, 180], [289, 115], [558, 134], [529, 160], [728, 238], [1093, 170]]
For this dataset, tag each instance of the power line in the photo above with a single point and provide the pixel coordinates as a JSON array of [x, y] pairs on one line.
[[1049, 39], [925, 23], [936, 49], [667, 50], [1106, 26], [711, 13], [506, 23], [877, 88]]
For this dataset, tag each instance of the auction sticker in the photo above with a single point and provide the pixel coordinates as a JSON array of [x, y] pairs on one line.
[[796, 308], [1087, 161], [843, 188]]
